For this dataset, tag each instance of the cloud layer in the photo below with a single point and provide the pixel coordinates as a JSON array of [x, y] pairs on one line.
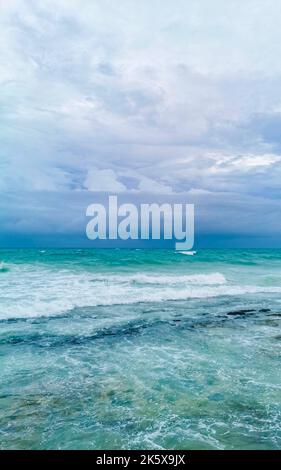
[[143, 97]]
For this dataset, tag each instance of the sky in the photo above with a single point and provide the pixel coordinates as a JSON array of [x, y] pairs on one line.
[[151, 100]]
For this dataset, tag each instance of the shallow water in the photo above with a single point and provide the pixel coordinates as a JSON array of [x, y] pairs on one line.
[[136, 349]]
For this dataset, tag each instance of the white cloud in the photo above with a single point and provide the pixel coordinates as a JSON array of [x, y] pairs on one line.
[[103, 180], [241, 163], [151, 186]]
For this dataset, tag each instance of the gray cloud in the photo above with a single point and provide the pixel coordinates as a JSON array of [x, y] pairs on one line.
[[143, 97]]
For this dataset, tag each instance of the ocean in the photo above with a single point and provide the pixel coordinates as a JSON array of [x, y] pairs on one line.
[[140, 349]]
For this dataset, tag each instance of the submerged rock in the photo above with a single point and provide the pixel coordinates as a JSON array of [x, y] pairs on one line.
[[241, 312]]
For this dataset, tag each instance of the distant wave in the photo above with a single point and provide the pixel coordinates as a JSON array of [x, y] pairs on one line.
[[203, 279]]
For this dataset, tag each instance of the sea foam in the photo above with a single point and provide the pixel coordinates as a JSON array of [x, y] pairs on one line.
[[36, 291]]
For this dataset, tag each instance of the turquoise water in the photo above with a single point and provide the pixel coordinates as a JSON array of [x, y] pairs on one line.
[[104, 349]]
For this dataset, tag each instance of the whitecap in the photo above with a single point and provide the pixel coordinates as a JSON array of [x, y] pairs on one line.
[[32, 292]]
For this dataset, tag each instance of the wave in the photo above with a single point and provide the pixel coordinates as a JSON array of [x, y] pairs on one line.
[[3, 267], [42, 292], [202, 279]]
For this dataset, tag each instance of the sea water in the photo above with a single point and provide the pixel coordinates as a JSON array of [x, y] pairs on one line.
[[139, 349]]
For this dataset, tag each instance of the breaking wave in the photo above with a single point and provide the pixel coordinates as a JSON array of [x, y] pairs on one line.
[[34, 292]]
